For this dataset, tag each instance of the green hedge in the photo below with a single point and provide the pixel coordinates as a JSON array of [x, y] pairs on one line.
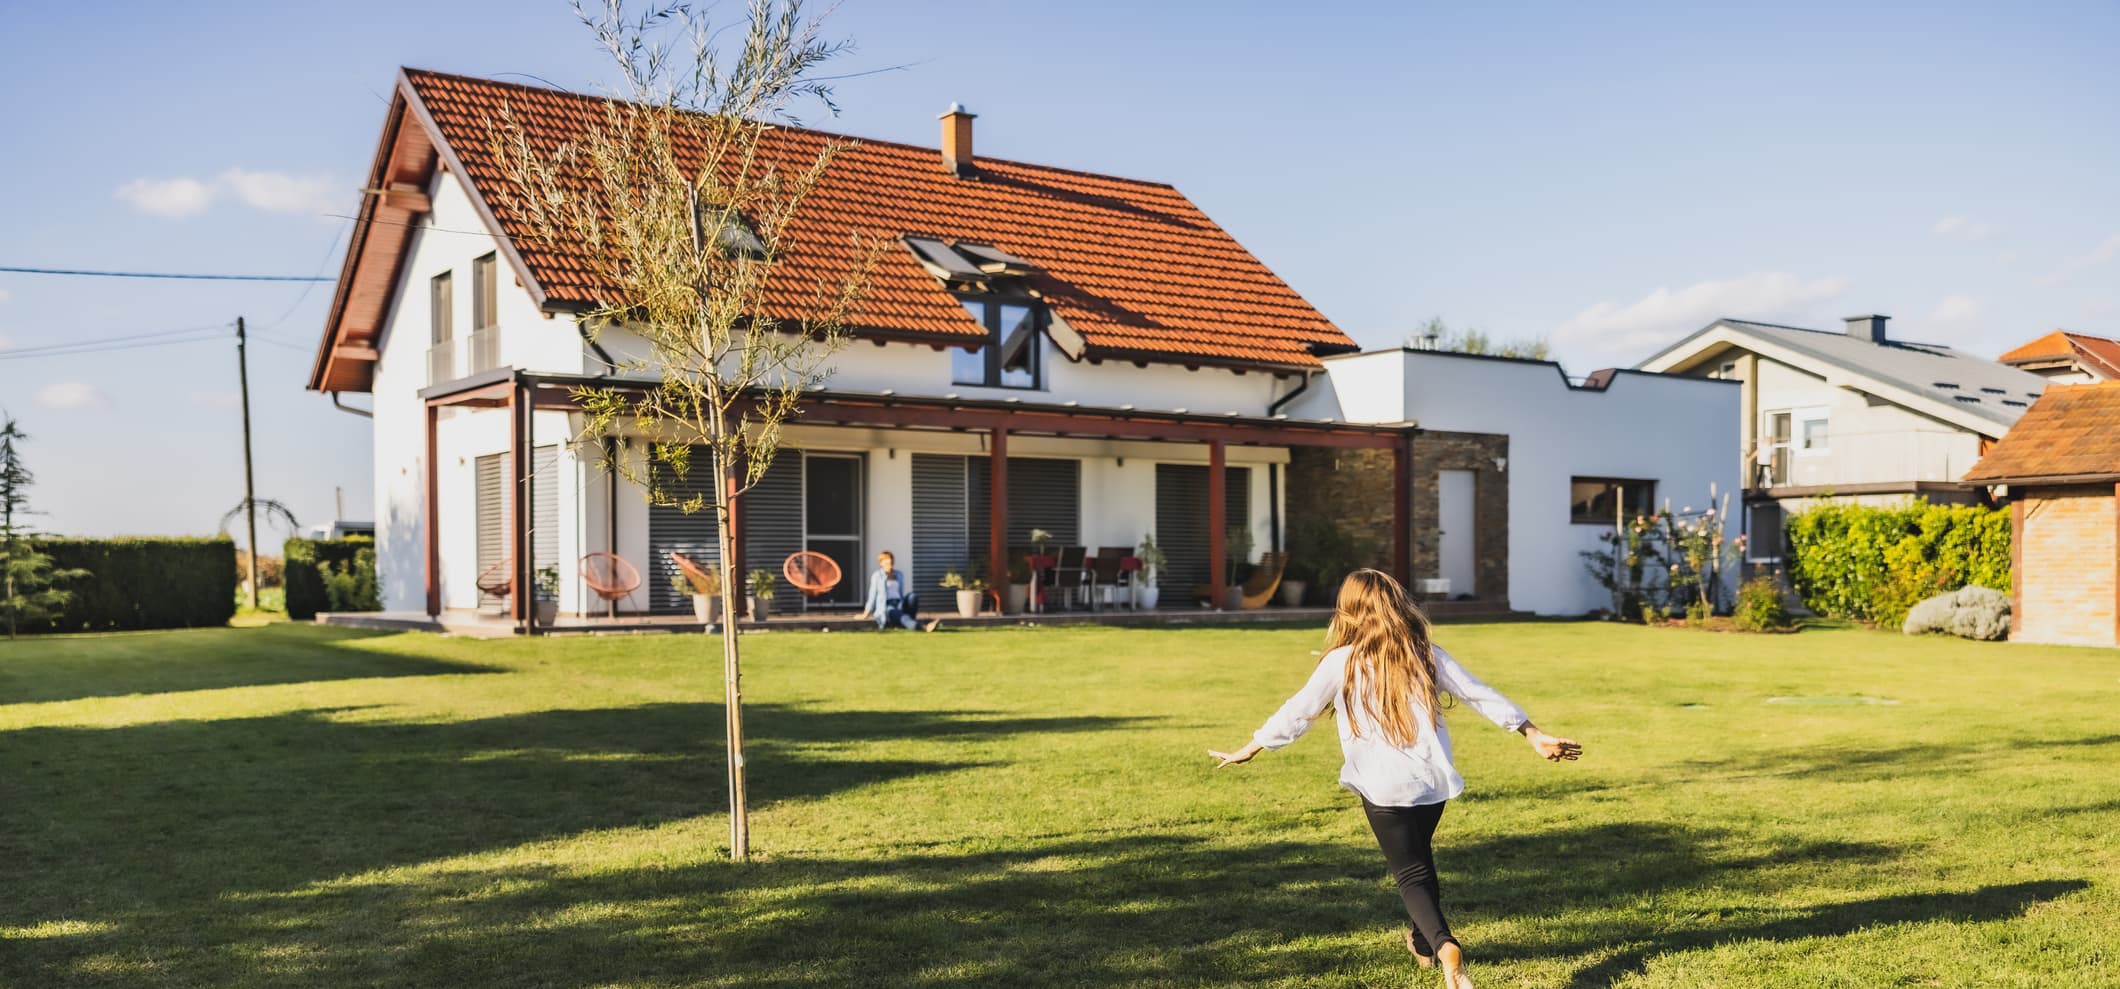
[[331, 575], [145, 582], [1873, 564]]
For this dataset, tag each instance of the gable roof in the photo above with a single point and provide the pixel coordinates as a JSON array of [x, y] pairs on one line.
[[2098, 355], [1131, 270], [2072, 432], [1966, 390]]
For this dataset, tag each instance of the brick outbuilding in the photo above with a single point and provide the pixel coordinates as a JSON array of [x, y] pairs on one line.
[[2059, 467]]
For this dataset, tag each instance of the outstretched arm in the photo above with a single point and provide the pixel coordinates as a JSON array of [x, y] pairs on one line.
[[1294, 718], [1461, 684]]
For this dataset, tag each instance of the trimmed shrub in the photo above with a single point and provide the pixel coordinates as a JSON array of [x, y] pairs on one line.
[[331, 575], [1760, 607], [145, 582], [1873, 564]]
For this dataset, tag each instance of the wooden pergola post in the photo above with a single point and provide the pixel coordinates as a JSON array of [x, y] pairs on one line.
[[433, 562], [1217, 512], [520, 409], [997, 512]]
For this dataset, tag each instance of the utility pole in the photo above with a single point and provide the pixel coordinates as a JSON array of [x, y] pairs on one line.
[[250, 491]]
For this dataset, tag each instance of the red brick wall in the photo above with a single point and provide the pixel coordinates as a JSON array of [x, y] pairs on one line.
[[2065, 566]]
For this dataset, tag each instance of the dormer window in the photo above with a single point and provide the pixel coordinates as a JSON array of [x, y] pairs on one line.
[[1014, 353]]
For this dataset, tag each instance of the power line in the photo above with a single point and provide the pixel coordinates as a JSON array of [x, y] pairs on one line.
[[329, 250], [163, 274], [114, 340], [79, 349]]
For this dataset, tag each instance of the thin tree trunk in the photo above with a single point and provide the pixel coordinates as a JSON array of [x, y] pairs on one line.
[[732, 668]]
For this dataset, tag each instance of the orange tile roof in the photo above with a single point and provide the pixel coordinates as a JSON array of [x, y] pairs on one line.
[[1134, 267], [2071, 431], [2099, 355]]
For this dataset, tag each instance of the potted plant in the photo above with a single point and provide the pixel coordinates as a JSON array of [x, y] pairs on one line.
[[969, 590], [1237, 543], [1146, 593], [1039, 537], [546, 586], [1296, 576], [705, 593], [1019, 583], [761, 584]]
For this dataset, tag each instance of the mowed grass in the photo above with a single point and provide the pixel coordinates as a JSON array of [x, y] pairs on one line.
[[295, 806]]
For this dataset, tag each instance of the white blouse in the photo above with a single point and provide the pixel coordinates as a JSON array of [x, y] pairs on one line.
[[1384, 774]]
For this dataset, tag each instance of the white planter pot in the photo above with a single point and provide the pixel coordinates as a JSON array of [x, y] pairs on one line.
[[968, 603], [706, 608], [1146, 596], [758, 607], [1292, 592], [1019, 596]]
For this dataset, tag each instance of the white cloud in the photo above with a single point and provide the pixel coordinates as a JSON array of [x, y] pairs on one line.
[[167, 197], [71, 395], [2107, 249], [1665, 315], [280, 192], [216, 399], [1961, 228], [1956, 309], [4, 296], [276, 192]]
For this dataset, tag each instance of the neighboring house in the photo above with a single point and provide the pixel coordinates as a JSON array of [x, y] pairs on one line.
[[2068, 358], [2059, 469], [1044, 348], [1853, 415], [1516, 469]]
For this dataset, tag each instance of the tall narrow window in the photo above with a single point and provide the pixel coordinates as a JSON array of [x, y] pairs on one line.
[[483, 272], [441, 304]]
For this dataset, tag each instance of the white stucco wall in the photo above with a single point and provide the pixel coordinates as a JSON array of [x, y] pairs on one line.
[[1678, 431], [1869, 441]]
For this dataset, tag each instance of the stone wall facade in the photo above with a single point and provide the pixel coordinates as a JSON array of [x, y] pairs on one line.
[[1353, 491], [2063, 541]]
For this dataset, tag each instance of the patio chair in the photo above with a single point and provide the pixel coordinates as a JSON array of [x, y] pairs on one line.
[[811, 572], [610, 577], [497, 580], [1071, 576], [1105, 573], [1259, 588]]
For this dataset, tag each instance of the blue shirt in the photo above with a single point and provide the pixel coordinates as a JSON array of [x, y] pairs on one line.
[[883, 591]]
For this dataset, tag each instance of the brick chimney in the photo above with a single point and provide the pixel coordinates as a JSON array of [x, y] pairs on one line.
[[1870, 328], [957, 141]]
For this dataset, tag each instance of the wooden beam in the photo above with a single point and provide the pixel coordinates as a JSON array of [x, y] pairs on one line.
[[520, 466], [433, 513], [1217, 520], [354, 352], [406, 196], [997, 512]]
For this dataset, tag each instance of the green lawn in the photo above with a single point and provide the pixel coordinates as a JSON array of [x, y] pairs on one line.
[[294, 806]]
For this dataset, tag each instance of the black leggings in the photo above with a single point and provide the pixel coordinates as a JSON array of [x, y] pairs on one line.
[[1404, 833]]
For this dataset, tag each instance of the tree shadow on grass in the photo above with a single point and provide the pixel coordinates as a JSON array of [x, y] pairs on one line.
[[150, 824], [1166, 908], [44, 668]]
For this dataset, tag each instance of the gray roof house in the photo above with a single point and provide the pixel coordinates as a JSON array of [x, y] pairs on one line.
[[1854, 414]]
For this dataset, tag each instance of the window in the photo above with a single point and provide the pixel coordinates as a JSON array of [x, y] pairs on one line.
[[1814, 436], [1013, 356], [482, 293], [441, 305], [1600, 500], [1774, 450]]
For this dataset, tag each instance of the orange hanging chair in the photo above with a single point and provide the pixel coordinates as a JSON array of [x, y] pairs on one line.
[[497, 580], [610, 577], [811, 572]]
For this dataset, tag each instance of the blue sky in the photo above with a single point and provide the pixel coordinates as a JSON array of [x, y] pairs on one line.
[[1606, 178]]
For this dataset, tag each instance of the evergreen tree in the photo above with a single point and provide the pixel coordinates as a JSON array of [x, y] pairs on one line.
[[28, 581]]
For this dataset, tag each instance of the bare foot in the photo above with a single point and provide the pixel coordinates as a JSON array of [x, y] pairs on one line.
[[1453, 961], [933, 625], [1424, 961]]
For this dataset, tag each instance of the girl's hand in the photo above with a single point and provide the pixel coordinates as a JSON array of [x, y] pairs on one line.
[[1242, 755], [1552, 748]]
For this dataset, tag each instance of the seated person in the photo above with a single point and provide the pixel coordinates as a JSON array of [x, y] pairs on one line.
[[889, 600]]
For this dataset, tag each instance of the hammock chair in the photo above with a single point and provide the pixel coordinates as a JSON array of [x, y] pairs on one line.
[[811, 572], [497, 580], [611, 577]]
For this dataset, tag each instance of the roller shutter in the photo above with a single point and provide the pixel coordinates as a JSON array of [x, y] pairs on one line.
[[940, 519], [673, 530], [1181, 521]]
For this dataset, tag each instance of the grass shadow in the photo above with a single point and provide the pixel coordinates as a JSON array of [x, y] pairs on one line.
[[47, 668]]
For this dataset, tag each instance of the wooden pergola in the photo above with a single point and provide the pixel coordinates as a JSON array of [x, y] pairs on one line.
[[525, 392]]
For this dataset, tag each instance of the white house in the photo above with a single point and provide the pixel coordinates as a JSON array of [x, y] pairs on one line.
[[1521, 469], [1854, 415]]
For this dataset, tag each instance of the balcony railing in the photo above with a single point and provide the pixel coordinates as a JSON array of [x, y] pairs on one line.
[[456, 357]]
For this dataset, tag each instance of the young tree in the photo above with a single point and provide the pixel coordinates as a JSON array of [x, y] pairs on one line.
[[1437, 335], [28, 590], [685, 208]]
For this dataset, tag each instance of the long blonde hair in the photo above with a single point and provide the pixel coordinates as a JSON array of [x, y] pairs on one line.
[[1391, 672]]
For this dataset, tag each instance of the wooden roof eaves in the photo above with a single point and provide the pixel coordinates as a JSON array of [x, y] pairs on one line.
[[350, 265], [479, 202]]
